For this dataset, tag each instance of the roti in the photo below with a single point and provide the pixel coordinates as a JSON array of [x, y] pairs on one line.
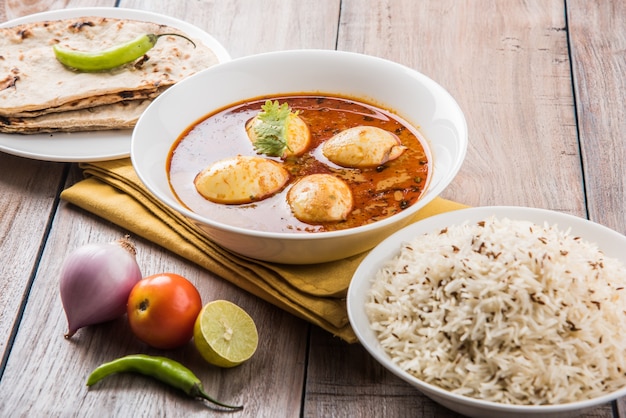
[[34, 84], [89, 102], [122, 115]]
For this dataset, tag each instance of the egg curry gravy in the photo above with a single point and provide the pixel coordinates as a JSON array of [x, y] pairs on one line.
[[345, 163]]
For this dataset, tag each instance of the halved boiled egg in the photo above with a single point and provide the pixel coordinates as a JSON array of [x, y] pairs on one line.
[[363, 146], [298, 135], [320, 198], [241, 179]]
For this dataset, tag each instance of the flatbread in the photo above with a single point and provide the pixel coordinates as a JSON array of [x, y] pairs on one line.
[[122, 115], [33, 83], [92, 101]]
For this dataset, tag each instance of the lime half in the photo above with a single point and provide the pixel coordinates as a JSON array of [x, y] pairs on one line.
[[224, 334]]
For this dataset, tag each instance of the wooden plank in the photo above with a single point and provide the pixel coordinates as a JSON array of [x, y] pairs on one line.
[[27, 203], [247, 27], [507, 65], [598, 42], [12, 9]]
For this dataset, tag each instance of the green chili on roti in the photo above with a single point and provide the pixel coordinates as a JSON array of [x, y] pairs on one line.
[[34, 85]]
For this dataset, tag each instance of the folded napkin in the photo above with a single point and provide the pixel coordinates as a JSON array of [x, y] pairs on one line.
[[316, 293]]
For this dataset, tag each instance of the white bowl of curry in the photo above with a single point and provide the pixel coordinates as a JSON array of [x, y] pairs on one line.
[[302, 156]]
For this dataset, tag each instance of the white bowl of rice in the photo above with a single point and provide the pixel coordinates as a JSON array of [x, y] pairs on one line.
[[498, 311]]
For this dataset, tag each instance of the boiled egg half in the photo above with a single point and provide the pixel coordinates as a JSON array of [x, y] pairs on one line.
[[362, 147], [241, 179], [297, 135], [320, 198]]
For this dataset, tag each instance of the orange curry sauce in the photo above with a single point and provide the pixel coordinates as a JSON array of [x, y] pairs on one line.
[[378, 192]]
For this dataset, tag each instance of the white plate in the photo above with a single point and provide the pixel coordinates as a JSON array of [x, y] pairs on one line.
[[610, 242], [92, 146]]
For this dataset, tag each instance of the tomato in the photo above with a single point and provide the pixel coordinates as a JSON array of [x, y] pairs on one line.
[[162, 310]]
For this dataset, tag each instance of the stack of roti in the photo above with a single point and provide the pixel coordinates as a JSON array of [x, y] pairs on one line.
[[39, 94]]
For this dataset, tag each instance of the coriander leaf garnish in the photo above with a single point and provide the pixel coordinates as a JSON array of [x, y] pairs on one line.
[[271, 131]]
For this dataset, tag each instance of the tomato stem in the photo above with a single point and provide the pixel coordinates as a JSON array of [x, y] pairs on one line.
[[143, 305]]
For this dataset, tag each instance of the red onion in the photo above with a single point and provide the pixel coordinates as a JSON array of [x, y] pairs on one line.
[[96, 280]]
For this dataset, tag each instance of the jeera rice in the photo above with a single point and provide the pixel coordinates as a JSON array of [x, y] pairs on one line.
[[504, 311]]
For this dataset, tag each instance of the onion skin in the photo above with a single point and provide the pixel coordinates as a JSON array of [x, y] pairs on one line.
[[96, 280]]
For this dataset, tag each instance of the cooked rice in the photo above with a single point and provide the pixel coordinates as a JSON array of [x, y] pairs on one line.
[[505, 311]]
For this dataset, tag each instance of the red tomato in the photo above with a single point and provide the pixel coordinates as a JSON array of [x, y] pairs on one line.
[[162, 310]]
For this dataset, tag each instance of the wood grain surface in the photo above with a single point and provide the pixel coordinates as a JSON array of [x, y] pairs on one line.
[[542, 86]]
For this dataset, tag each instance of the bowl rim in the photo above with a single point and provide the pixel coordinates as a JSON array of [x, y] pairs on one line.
[[428, 195], [364, 273]]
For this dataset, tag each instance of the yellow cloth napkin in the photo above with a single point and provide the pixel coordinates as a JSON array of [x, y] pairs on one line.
[[315, 293]]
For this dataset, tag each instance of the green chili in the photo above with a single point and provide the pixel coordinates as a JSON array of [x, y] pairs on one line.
[[161, 368], [110, 58]]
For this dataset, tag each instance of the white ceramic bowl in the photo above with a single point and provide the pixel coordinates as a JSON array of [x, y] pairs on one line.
[[413, 96], [609, 241]]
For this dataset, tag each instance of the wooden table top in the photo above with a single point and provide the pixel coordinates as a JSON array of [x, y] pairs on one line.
[[543, 89]]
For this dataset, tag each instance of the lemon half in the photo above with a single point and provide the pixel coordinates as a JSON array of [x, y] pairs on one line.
[[224, 334]]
